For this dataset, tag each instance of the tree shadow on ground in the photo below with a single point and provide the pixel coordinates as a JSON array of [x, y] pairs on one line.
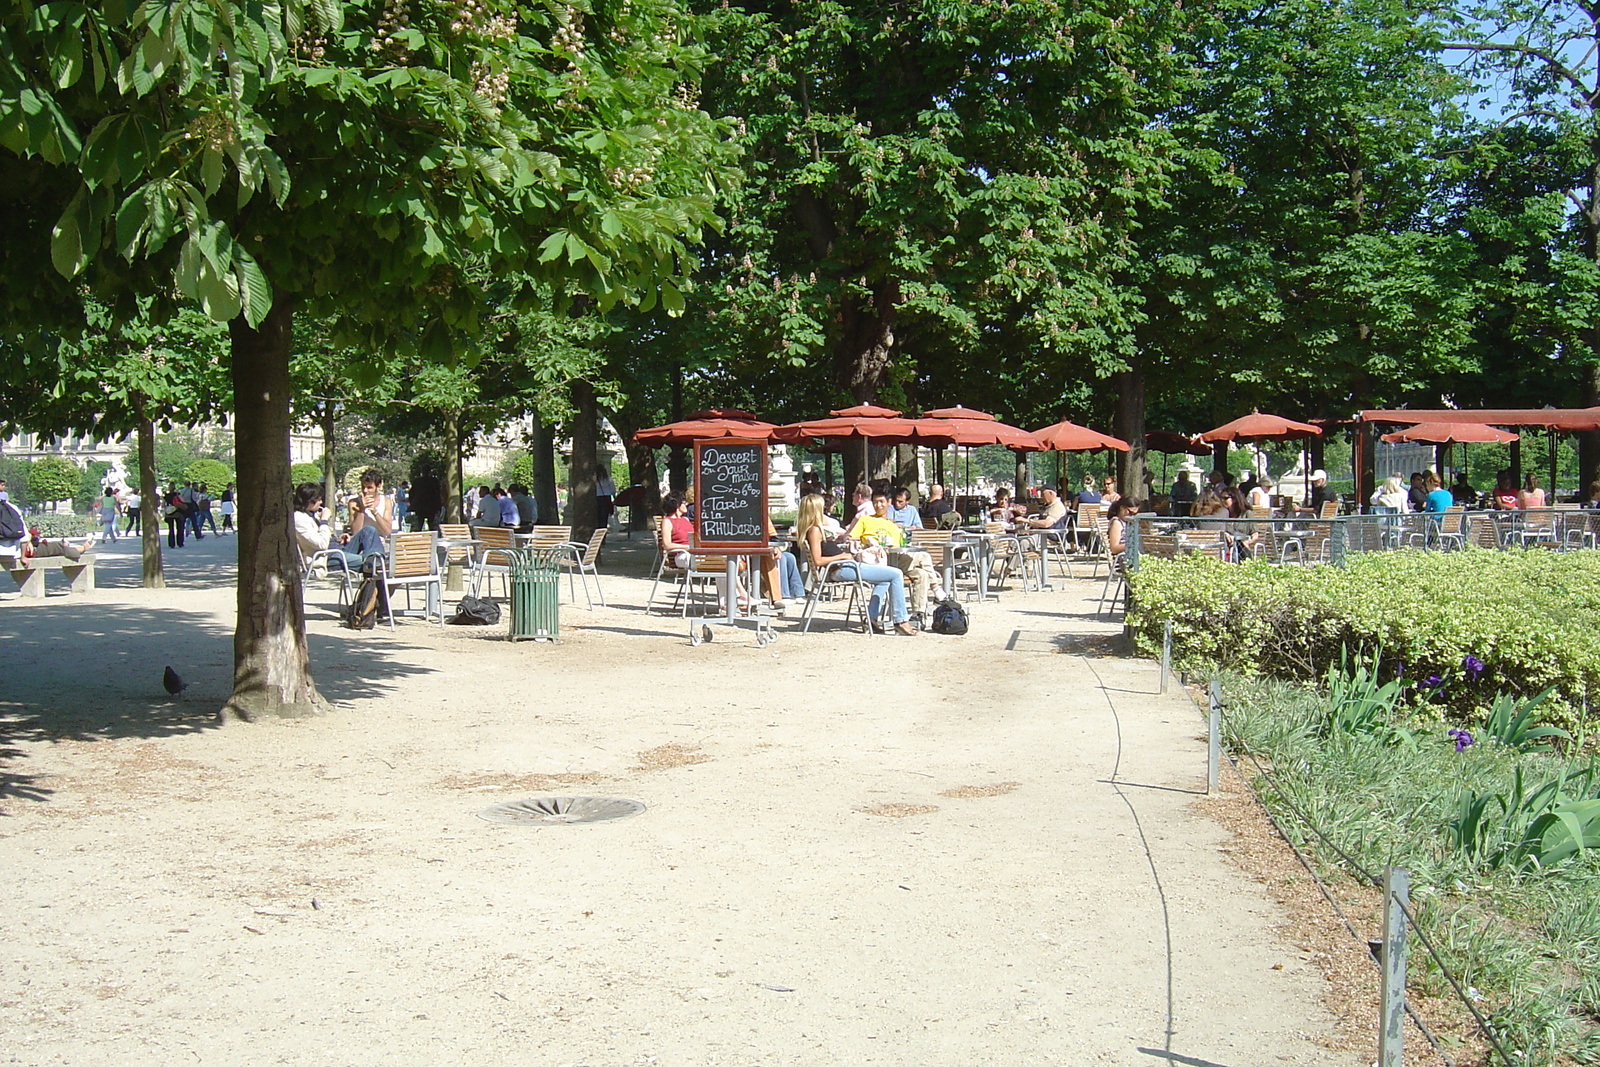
[[89, 670]]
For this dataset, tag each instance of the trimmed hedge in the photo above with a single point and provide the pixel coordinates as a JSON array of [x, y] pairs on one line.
[[1532, 618]]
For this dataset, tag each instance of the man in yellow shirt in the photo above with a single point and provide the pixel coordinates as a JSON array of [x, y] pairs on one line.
[[879, 530]]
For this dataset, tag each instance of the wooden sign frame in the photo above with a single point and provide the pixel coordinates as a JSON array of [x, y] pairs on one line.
[[700, 499]]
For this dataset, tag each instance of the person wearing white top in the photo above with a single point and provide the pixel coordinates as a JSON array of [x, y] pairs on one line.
[[1261, 495], [1391, 497]]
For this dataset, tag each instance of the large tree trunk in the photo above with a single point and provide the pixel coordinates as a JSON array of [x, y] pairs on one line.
[[1589, 440], [152, 575], [543, 448], [583, 513], [271, 664], [627, 420], [452, 467], [678, 458], [1127, 422], [862, 355], [907, 475]]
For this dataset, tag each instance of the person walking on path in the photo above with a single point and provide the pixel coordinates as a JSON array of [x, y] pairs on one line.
[[205, 511], [177, 517], [108, 516], [227, 509], [132, 504]]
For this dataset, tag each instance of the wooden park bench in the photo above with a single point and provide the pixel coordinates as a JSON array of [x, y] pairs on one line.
[[29, 573]]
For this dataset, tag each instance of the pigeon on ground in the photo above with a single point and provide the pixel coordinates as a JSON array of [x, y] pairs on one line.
[[172, 683]]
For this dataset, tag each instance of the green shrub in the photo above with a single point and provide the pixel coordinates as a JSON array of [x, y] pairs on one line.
[[212, 474], [63, 525], [301, 473], [52, 478], [1528, 617]]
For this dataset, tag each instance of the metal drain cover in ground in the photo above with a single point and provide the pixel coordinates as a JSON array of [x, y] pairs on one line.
[[548, 811]]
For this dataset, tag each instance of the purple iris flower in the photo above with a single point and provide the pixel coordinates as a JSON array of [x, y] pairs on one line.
[[1400, 670], [1461, 738], [1432, 681], [1472, 666]]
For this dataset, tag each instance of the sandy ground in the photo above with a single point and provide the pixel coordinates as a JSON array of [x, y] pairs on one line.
[[935, 851]]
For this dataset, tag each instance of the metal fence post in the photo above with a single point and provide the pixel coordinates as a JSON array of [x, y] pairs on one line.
[[1214, 741], [1338, 541], [1393, 963], [1166, 653], [1130, 550]]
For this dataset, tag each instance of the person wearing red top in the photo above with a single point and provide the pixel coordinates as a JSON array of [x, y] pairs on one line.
[[1505, 493]]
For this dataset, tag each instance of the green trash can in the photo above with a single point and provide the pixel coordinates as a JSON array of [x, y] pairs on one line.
[[535, 600]]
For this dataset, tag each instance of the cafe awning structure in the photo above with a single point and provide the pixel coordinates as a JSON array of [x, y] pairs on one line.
[[1449, 433], [1570, 420]]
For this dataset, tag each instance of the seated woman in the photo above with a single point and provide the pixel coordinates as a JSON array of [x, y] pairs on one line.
[[823, 551], [1003, 510], [677, 537], [1506, 497], [1439, 498], [1117, 526], [1531, 495], [313, 534], [1391, 497]]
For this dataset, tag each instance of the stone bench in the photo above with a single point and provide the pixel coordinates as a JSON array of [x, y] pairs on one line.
[[29, 573]]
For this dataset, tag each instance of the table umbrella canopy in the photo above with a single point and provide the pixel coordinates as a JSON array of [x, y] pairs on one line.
[[883, 426], [1067, 436], [706, 425], [1449, 433], [975, 428], [1174, 443], [1258, 427]]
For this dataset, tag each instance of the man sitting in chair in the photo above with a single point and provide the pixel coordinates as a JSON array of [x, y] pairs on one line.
[[877, 530], [313, 534]]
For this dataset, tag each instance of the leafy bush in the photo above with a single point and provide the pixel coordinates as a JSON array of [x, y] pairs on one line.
[[212, 474], [52, 478], [301, 473], [1526, 619], [64, 525]]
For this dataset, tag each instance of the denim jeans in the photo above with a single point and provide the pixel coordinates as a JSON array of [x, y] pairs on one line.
[[366, 542], [790, 585], [883, 580]]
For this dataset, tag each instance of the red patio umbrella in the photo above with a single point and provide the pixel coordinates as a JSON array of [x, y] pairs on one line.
[[883, 426], [706, 425], [1068, 436], [975, 428], [1449, 433], [1258, 427], [1174, 443]]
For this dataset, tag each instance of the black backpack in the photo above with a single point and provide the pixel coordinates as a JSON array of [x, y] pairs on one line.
[[476, 611], [362, 614], [949, 618], [11, 528]]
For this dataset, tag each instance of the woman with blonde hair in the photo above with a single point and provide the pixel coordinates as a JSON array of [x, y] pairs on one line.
[[823, 551], [1391, 496]]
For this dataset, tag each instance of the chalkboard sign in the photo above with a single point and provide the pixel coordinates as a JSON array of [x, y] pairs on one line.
[[730, 493]]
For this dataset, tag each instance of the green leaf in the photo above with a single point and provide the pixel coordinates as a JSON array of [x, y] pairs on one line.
[[69, 241], [211, 170], [671, 299]]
